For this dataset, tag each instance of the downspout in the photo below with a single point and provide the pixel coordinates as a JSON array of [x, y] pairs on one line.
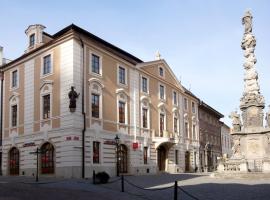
[[83, 111], [1, 117]]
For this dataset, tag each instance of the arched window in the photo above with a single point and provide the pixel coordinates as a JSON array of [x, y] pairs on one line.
[[14, 111], [47, 158], [14, 161], [122, 108], [175, 122]]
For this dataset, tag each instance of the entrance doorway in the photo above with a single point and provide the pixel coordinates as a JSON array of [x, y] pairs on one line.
[[123, 168], [161, 158], [187, 161], [14, 161]]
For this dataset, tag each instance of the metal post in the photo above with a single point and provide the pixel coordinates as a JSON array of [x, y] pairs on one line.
[[175, 190], [122, 183], [117, 160], [37, 166], [94, 177]]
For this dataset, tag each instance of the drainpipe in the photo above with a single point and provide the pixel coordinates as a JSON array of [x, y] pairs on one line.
[[1, 117], [83, 111]]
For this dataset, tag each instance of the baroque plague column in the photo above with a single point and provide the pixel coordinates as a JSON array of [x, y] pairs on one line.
[[251, 149]]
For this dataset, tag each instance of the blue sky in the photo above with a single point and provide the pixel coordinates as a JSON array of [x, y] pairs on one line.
[[200, 40]]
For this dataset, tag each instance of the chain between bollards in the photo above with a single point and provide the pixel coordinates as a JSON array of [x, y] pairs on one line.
[[175, 190]]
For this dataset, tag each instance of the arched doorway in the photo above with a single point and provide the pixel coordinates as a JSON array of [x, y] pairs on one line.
[[161, 158], [47, 158], [123, 168], [14, 161], [187, 161]]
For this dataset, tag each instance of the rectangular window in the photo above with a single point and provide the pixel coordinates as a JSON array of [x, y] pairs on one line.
[[161, 91], [15, 78], [95, 64], [32, 40], [14, 115], [96, 146], [122, 75], [161, 71], [47, 64], [176, 157], [186, 129], [174, 98], [145, 120], [144, 85], [175, 125], [145, 155], [46, 106], [161, 124], [185, 103], [95, 105], [193, 107], [121, 111], [194, 131]]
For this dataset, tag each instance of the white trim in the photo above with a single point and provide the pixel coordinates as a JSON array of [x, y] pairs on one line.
[[185, 108], [13, 100], [42, 94], [163, 69], [100, 63], [162, 110], [176, 115], [124, 100], [126, 75], [42, 64], [99, 92], [148, 113], [160, 84], [192, 102], [141, 85], [177, 102], [11, 80]]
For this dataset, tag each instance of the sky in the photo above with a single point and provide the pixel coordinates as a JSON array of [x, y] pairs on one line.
[[200, 40]]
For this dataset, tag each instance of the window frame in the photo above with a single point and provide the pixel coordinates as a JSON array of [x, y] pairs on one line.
[[98, 101], [186, 129], [145, 155], [193, 107], [16, 117], [32, 42], [147, 84], [125, 74], [164, 92], [122, 112], [42, 75], [175, 98], [11, 79], [48, 113], [96, 159], [100, 64], [185, 103], [161, 68]]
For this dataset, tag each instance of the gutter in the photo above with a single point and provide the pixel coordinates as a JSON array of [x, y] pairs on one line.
[[1, 117], [83, 111]]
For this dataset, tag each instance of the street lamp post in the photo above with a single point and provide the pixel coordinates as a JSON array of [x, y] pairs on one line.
[[117, 140], [37, 152]]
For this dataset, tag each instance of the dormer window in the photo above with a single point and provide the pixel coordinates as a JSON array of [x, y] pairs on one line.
[[32, 40]]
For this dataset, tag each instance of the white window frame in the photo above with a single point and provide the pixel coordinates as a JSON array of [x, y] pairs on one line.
[[100, 152], [42, 65], [194, 134], [100, 64], [173, 103], [147, 92], [14, 101], [162, 110], [186, 134], [176, 115], [192, 102], [18, 79], [126, 75], [42, 94], [185, 99], [97, 92], [160, 84], [148, 113], [124, 100]]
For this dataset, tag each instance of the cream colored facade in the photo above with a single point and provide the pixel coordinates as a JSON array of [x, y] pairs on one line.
[[146, 148]]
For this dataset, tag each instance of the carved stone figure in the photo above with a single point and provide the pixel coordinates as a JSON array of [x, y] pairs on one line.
[[236, 121], [236, 148], [73, 95], [247, 21]]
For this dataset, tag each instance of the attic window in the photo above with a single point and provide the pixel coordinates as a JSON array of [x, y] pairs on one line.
[[32, 40], [161, 71]]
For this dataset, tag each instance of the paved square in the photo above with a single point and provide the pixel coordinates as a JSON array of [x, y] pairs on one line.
[[198, 185]]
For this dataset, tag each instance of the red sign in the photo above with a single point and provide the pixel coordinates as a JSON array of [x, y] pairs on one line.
[[76, 138], [135, 145], [68, 138]]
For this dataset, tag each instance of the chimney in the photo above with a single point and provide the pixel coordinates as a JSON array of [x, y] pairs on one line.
[[1, 56]]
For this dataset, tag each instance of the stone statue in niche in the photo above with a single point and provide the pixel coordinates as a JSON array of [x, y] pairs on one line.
[[236, 148], [236, 121], [73, 95]]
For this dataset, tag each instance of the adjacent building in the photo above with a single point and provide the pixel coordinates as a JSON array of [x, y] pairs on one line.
[[210, 137], [226, 140], [72, 93]]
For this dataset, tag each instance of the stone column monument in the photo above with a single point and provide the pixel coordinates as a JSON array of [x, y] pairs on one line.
[[251, 148]]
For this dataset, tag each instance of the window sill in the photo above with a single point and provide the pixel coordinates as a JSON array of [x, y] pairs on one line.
[[122, 85], [46, 75], [14, 88], [99, 75]]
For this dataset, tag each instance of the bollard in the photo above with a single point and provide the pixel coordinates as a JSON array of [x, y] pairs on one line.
[[175, 190], [94, 177], [122, 183]]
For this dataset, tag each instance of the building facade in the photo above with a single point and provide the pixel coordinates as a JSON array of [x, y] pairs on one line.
[[72, 93], [210, 137], [226, 140]]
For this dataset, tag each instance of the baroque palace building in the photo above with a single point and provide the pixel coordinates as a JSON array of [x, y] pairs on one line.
[[70, 94]]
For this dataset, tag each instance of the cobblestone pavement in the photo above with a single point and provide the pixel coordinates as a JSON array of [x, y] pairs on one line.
[[199, 185]]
